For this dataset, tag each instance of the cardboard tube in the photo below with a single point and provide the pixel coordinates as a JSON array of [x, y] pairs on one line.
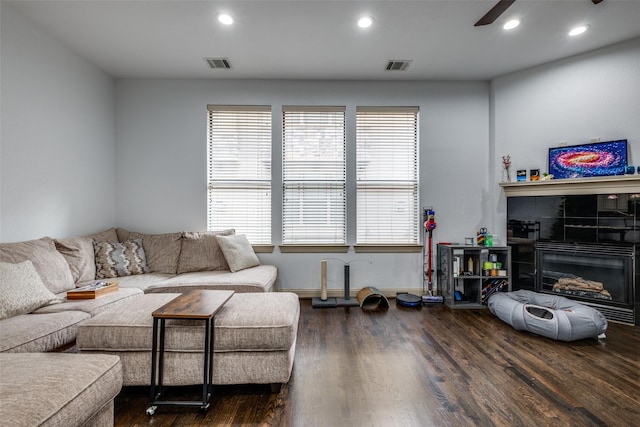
[[323, 280]]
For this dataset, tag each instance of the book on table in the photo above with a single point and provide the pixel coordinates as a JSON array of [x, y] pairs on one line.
[[93, 290]]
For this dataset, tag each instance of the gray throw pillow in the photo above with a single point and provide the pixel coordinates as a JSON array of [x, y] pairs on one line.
[[119, 259], [238, 252], [21, 289]]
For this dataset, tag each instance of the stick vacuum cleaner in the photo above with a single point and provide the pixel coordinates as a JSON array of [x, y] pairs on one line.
[[410, 300], [429, 226]]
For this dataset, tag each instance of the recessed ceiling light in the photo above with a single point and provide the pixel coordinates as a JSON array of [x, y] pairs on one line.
[[510, 25], [578, 30], [225, 19], [365, 22]]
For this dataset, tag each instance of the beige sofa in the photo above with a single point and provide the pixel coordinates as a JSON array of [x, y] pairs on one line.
[[36, 317], [174, 262]]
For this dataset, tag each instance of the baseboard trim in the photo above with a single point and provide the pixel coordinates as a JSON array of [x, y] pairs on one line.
[[312, 293]]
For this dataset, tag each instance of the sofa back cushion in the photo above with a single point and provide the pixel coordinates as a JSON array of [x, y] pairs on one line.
[[119, 259], [162, 250], [21, 289], [201, 251], [51, 266], [78, 251], [109, 235]]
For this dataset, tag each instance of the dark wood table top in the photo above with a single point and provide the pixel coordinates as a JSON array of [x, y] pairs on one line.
[[196, 304]]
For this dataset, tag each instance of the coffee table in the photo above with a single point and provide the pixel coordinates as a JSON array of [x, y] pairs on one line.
[[192, 305]]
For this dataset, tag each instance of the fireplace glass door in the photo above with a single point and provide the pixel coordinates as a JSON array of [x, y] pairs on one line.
[[602, 275]]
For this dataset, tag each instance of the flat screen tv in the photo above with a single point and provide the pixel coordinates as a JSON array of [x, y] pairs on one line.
[[595, 159]]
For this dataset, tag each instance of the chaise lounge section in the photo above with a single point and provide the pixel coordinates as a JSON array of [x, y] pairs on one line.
[[255, 337]]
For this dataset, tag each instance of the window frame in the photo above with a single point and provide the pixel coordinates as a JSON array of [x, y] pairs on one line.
[[241, 128], [311, 186], [370, 145]]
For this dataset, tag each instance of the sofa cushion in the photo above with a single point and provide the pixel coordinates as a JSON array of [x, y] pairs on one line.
[[31, 393], [247, 322], [32, 333], [49, 263], [125, 328], [201, 251], [162, 250], [255, 279], [108, 235], [258, 321], [238, 252], [92, 306], [119, 259], [139, 281], [21, 289], [78, 251]]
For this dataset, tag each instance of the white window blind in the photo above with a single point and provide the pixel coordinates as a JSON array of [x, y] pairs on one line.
[[387, 175], [313, 173], [239, 170]]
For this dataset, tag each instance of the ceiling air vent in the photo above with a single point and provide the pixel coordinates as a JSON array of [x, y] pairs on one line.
[[218, 63], [397, 65]]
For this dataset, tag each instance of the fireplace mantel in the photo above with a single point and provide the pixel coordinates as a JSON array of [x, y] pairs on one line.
[[560, 187]]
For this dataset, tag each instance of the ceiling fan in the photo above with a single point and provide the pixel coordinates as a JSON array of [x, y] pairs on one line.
[[499, 9]]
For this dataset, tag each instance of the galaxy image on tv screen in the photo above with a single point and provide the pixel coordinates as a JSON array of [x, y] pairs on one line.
[[596, 159]]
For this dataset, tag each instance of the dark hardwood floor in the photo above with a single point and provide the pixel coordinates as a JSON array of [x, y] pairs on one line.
[[428, 366]]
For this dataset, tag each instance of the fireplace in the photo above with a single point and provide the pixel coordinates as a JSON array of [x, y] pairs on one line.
[[597, 275], [579, 239]]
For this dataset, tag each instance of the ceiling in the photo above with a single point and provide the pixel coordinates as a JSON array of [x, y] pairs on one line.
[[307, 39]]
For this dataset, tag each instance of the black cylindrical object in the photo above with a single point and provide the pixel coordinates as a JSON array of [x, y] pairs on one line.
[[346, 282]]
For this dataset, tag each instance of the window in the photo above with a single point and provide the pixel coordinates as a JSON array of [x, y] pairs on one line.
[[239, 170], [313, 174], [387, 175]]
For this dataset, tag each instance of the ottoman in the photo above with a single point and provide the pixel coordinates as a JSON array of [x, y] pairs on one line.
[[58, 389], [255, 337]]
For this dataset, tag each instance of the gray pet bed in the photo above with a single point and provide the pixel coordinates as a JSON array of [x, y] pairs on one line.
[[551, 316]]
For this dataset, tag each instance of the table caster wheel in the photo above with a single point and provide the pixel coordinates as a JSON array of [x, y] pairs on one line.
[[151, 410]]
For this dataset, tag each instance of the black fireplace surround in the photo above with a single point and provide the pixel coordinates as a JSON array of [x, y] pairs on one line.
[[583, 247]]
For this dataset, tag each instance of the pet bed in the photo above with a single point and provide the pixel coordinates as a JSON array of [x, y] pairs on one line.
[[551, 316]]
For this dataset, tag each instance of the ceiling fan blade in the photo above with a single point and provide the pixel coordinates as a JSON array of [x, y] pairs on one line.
[[596, 1], [496, 11]]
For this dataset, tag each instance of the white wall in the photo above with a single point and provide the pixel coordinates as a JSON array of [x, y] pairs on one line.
[[594, 95], [57, 137], [161, 161], [66, 169]]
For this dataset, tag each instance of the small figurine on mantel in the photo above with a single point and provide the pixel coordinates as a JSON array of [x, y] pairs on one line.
[[506, 168]]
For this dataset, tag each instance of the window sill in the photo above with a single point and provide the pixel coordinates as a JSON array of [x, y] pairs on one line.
[[263, 249], [287, 249], [388, 248]]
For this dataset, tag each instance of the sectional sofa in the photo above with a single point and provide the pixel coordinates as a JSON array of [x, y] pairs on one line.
[[171, 262], [36, 317]]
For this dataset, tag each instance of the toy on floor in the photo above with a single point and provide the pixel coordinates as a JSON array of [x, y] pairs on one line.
[[371, 298]]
